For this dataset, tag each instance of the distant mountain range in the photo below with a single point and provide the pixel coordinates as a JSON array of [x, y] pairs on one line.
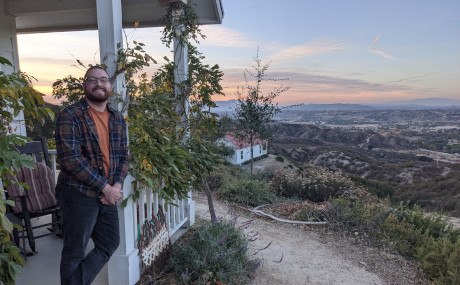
[[228, 107]]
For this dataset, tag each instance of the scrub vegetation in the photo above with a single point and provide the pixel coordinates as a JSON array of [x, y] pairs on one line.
[[354, 208]]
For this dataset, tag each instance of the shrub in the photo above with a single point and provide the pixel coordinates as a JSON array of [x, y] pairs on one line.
[[263, 176], [434, 224], [279, 158], [216, 253], [427, 237], [361, 216], [313, 184], [310, 213], [379, 189], [247, 192], [440, 260], [256, 159], [225, 174]]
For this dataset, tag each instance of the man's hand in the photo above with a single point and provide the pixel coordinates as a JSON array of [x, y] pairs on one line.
[[112, 194], [118, 186]]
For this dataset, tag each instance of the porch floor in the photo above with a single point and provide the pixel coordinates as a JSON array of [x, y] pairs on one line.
[[43, 268]]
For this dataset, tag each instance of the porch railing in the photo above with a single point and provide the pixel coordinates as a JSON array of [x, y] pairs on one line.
[[179, 213], [176, 211]]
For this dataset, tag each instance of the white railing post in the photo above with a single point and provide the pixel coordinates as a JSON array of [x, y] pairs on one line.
[[52, 153], [190, 210], [124, 266]]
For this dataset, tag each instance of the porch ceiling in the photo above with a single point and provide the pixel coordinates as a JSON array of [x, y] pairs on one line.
[[34, 16]]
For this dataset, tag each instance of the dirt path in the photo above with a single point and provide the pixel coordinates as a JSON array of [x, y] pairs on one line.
[[312, 256]]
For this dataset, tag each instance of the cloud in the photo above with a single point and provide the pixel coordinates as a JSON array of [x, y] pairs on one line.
[[415, 78], [314, 47], [302, 82], [221, 36], [373, 49]]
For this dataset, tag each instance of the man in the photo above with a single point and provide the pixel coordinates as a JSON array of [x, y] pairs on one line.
[[92, 152]]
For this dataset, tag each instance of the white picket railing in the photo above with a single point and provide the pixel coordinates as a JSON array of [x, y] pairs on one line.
[[177, 212]]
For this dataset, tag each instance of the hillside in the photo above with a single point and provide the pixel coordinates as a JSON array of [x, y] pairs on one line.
[[390, 158]]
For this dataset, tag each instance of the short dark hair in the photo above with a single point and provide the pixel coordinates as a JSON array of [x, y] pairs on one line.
[[95, 67]]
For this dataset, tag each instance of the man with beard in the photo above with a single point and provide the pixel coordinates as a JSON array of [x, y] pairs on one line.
[[92, 152]]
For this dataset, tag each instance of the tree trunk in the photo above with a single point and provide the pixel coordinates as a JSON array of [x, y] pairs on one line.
[[212, 212], [252, 153]]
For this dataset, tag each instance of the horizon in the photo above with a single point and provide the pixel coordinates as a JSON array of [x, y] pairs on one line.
[[332, 53]]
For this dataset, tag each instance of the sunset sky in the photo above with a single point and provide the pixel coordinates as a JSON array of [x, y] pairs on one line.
[[332, 51]]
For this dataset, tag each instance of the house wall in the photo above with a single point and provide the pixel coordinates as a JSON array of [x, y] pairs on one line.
[[9, 50], [258, 151], [236, 157]]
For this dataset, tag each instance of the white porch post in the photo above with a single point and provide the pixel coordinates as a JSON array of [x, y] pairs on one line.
[[9, 50], [123, 267], [182, 108]]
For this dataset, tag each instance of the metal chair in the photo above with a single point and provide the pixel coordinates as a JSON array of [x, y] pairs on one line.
[[37, 201]]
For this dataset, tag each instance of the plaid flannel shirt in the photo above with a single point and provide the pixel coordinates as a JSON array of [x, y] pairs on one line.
[[79, 154]]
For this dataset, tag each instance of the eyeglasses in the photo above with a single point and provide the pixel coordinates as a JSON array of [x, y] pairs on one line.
[[93, 80]]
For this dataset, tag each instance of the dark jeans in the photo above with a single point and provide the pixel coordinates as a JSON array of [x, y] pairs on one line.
[[84, 217]]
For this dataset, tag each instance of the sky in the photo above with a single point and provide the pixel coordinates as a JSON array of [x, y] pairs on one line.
[[330, 51]]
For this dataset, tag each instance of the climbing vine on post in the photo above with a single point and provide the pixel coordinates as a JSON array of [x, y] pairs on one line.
[[167, 156]]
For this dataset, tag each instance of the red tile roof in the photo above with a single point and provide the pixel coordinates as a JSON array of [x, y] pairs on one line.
[[241, 144]]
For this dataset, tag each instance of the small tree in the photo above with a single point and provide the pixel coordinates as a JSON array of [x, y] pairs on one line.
[[255, 109]]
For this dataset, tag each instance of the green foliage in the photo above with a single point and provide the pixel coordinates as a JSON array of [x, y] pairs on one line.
[[69, 89], [225, 174], [279, 158], [215, 253], [10, 260], [157, 159], [247, 192], [344, 214], [256, 159], [255, 109], [313, 184], [309, 213], [379, 189], [169, 151], [36, 130], [427, 237], [437, 192], [17, 95]]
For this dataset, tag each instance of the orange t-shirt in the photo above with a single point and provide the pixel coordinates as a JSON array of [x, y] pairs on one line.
[[101, 119]]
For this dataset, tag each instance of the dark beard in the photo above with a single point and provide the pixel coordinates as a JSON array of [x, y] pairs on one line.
[[97, 99]]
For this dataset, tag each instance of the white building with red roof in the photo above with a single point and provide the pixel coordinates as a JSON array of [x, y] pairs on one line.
[[242, 149]]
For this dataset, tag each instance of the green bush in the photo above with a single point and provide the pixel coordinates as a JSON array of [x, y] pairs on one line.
[[279, 158], [358, 215], [379, 189], [434, 224], [214, 253], [263, 176], [313, 184], [256, 159], [309, 213], [427, 237], [440, 260], [247, 192], [225, 174]]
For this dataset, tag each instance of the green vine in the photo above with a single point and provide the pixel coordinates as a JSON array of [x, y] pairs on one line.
[[17, 94], [166, 155]]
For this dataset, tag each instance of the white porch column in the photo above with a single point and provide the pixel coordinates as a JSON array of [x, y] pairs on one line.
[[181, 71], [123, 267], [182, 108], [9, 50]]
